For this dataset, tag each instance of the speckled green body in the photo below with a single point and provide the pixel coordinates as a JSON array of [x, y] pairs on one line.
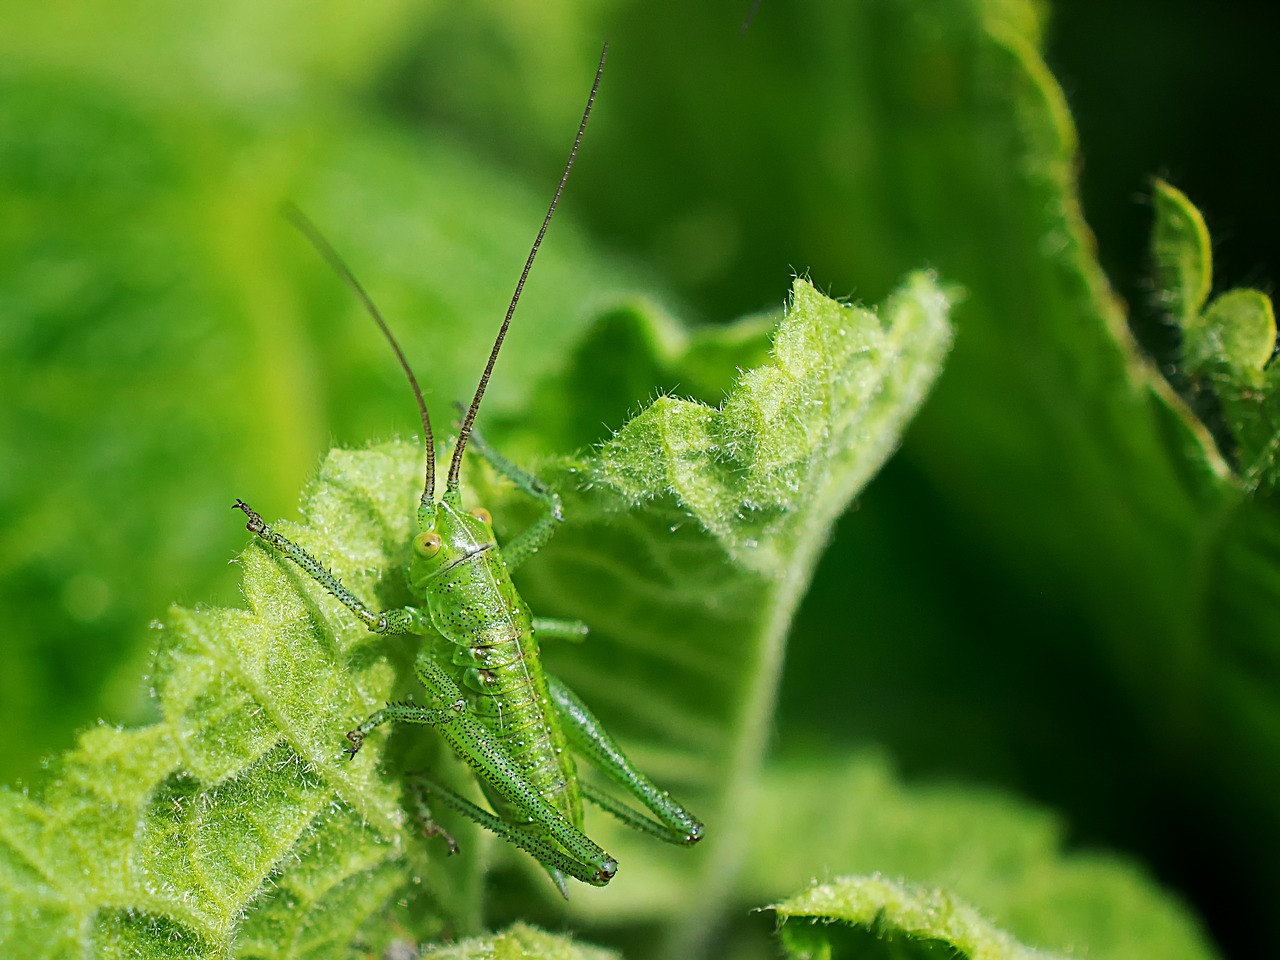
[[489, 650]]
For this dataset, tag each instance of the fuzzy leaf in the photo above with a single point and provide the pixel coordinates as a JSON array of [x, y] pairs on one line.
[[726, 512], [519, 942], [232, 824], [891, 911]]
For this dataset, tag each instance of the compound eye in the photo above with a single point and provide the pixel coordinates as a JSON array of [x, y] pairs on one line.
[[427, 544], [480, 513]]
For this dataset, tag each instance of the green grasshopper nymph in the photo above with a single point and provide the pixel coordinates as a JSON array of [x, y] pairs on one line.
[[488, 695]]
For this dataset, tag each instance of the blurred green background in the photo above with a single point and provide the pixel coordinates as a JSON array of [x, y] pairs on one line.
[[168, 344]]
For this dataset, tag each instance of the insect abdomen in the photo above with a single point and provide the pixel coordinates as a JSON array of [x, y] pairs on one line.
[[495, 661], [512, 700]]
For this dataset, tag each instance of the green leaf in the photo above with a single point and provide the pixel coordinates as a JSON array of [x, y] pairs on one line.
[[1062, 529], [854, 815], [1059, 586], [726, 513], [1244, 325], [519, 942], [892, 910], [1228, 346], [233, 824], [1181, 253], [768, 472]]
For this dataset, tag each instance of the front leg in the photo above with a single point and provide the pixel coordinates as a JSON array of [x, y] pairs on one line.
[[401, 620], [525, 544], [403, 712]]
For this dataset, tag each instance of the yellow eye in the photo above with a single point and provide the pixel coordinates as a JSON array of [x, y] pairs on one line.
[[481, 513], [427, 544]]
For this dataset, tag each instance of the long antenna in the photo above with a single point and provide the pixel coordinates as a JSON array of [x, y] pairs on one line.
[[312, 233], [464, 432]]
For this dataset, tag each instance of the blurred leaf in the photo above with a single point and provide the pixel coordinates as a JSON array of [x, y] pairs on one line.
[[1181, 254], [836, 816], [1228, 346], [1244, 325]]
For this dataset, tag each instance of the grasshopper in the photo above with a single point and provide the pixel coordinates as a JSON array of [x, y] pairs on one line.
[[514, 724]]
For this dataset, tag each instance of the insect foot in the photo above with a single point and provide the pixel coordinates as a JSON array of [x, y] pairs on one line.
[[430, 828], [607, 869], [357, 741], [435, 830], [255, 524]]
